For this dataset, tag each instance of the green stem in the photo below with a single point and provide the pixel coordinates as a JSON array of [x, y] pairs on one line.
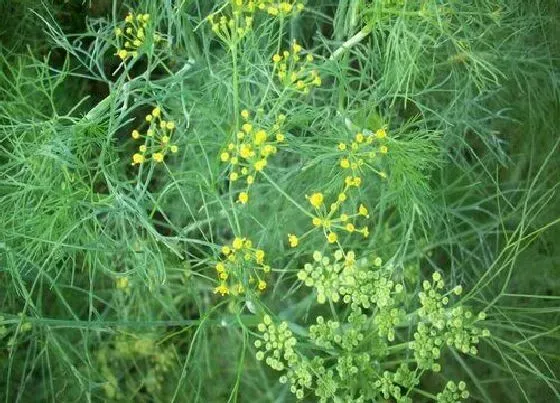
[[287, 196]]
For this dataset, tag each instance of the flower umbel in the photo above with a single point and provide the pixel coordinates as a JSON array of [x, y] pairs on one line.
[[133, 35], [241, 267], [294, 71], [248, 153], [157, 138]]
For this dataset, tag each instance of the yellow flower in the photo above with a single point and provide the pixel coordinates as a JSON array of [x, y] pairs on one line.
[[316, 200], [174, 148], [345, 163], [156, 112], [250, 179], [170, 125], [226, 250], [150, 132], [247, 127], [149, 118], [276, 58], [233, 176], [244, 151], [221, 289], [280, 137], [158, 157], [362, 210], [237, 243], [138, 159], [342, 146], [293, 240], [224, 157], [341, 197], [260, 137], [344, 217], [360, 138], [383, 149], [165, 139], [268, 150], [220, 267], [129, 18], [142, 148], [261, 285], [245, 114], [365, 232], [243, 197], [309, 57], [317, 221], [122, 54], [259, 255], [332, 237], [381, 133], [135, 134], [297, 47], [122, 283], [350, 227], [259, 165]]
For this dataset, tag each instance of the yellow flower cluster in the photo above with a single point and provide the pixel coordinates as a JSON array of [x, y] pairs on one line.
[[230, 30], [293, 69], [249, 154], [157, 139], [132, 36], [279, 8], [333, 220], [271, 7], [362, 151], [239, 268]]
